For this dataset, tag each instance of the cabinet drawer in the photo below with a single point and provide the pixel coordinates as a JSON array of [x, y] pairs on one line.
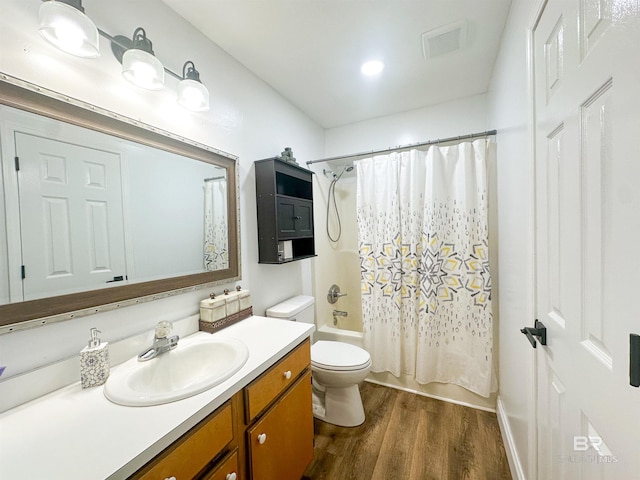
[[259, 394], [280, 444], [189, 455], [226, 470]]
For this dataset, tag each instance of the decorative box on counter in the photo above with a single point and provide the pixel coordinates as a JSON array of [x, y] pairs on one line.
[[220, 311]]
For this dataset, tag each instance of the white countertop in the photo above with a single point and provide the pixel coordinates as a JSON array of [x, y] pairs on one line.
[[78, 434]]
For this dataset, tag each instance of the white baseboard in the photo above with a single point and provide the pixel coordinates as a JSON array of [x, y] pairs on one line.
[[515, 466], [437, 397]]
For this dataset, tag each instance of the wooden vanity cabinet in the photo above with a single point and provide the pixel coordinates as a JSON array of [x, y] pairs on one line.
[[193, 455], [280, 443], [279, 413]]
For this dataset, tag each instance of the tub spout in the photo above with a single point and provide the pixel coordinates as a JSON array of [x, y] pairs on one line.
[[336, 314]]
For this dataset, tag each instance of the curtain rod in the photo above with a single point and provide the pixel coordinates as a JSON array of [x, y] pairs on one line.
[[211, 179], [402, 147]]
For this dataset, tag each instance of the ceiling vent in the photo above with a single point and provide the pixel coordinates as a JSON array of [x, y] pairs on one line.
[[443, 40]]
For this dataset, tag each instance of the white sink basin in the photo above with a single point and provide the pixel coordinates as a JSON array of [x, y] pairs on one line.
[[199, 362]]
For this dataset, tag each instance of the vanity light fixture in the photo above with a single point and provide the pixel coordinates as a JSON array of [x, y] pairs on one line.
[[139, 64], [192, 94], [64, 25]]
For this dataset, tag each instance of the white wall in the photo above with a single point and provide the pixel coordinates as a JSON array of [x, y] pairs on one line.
[[247, 118], [458, 117], [509, 114]]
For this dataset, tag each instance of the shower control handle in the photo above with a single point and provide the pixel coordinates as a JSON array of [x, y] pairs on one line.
[[334, 294]]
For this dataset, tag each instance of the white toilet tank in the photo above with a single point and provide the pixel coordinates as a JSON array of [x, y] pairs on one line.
[[298, 308]]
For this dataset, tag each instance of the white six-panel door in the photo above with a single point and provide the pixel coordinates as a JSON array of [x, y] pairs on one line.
[[70, 215], [586, 70]]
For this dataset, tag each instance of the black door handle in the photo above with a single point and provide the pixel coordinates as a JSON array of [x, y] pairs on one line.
[[539, 331], [634, 360]]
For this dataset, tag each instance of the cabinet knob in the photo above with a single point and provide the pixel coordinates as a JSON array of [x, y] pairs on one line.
[[231, 476], [287, 374], [262, 438]]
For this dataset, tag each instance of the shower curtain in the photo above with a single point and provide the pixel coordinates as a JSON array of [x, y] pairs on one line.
[[426, 286], [216, 239]]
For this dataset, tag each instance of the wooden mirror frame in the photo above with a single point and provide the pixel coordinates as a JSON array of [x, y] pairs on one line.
[[30, 313]]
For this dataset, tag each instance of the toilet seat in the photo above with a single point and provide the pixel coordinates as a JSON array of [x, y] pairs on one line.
[[338, 356]]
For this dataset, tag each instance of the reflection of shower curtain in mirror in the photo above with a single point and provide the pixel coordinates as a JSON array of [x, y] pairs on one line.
[[216, 240]]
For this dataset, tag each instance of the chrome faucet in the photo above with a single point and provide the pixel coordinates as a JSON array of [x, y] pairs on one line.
[[162, 342], [338, 313]]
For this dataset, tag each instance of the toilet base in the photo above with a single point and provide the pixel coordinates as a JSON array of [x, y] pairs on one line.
[[341, 406]]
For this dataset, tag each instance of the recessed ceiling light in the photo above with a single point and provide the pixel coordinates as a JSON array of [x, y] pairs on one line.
[[373, 67]]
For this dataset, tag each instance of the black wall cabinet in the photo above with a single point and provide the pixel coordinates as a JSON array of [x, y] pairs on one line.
[[284, 195]]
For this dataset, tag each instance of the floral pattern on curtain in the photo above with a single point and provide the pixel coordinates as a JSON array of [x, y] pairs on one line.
[[216, 238], [426, 284]]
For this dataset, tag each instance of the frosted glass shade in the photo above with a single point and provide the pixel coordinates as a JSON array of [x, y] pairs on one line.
[[193, 95], [143, 69], [68, 29]]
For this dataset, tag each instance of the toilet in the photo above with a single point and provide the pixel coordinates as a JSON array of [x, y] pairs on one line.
[[336, 368]]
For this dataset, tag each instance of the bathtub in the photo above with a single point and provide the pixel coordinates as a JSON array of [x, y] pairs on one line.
[[328, 332]]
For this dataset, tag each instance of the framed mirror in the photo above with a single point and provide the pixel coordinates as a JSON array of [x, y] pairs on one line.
[[100, 211]]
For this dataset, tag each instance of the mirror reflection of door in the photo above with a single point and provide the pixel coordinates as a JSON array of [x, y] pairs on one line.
[[87, 208], [71, 216]]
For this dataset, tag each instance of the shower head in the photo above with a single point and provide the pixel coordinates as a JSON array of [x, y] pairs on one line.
[[346, 168], [336, 176]]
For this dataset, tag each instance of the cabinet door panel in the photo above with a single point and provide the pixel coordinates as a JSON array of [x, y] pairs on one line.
[[286, 217], [304, 218], [280, 445]]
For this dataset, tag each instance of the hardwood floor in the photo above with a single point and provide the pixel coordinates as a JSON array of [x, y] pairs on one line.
[[410, 437]]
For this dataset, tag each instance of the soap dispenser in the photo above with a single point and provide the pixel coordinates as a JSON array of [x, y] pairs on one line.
[[94, 361]]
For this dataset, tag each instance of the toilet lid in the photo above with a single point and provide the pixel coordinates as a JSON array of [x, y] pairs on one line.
[[338, 356]]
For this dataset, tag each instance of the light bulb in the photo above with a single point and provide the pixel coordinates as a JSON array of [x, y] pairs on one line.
[[143, 69], [68, 29], [193, 95]]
